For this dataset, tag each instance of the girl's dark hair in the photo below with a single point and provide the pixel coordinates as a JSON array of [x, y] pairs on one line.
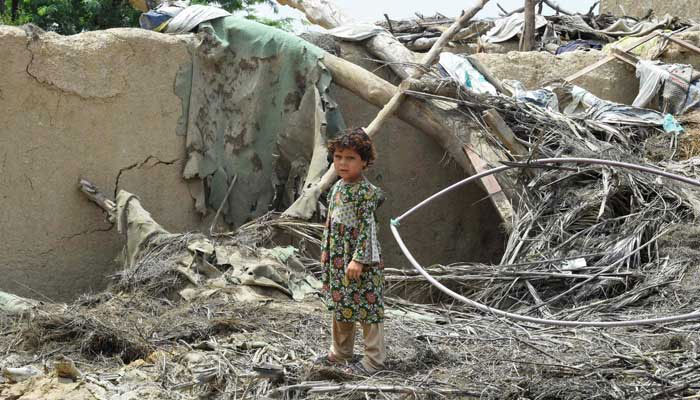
[[356, 139]]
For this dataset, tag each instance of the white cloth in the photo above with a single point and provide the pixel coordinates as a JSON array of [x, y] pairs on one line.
[[651, 77], [460, 69], [356, 32], [190, 17]]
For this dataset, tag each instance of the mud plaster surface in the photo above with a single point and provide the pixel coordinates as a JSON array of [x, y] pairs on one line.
[[99, 105]]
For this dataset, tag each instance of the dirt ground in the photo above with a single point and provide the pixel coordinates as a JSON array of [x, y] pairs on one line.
[[132, 346]]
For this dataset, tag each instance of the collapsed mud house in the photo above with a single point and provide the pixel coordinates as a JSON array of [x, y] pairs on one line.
[[117, 107]]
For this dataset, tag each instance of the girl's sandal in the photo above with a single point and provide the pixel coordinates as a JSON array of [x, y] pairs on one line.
[[325, 360], [358, 369]]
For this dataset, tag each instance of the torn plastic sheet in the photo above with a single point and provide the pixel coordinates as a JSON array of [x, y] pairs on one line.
[[675, 80], [586, 105], [259, 104], [13, 304], [506, 28], [542, 97], [671, 125], [460, 69]]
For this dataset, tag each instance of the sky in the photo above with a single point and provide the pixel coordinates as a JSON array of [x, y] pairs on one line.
[[374, 10]]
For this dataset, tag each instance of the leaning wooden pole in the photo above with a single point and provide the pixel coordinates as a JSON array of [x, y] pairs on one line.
[[527, 40], [302, 207], [428, 60]]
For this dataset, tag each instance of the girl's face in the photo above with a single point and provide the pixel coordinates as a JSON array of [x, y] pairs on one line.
[[348, 164]]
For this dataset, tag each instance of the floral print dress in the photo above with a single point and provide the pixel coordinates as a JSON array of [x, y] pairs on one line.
[[351, 234]]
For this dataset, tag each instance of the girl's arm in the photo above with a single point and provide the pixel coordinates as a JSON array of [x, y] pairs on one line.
[[366, 247]]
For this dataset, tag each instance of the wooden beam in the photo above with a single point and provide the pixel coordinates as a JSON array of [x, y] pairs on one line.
[[493, 188], [624, 57], [609, 58], [499, 128], [682, 43]]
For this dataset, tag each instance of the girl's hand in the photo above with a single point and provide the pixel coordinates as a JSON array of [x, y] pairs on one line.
[[354, 270]]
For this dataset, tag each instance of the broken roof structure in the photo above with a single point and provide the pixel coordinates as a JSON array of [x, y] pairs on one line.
[[560, 263]]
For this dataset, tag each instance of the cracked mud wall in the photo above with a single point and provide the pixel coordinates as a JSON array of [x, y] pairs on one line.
[[100, 105], [638, 8]]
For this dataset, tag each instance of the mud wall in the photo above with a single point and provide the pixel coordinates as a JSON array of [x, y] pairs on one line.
[[638, 8], [99, 105], [102, 105]]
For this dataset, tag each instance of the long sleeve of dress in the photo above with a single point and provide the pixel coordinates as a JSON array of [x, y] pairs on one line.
[[367, 249]]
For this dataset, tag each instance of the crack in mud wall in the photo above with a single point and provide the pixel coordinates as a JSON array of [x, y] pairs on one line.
[[99, 105]]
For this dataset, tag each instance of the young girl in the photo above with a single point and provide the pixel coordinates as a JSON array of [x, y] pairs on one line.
[[351, 258]]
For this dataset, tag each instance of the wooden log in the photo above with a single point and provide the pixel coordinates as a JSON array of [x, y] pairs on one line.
[[554, 6], [320, 12], [99, 198], [422, 44], [432, 55], [383, 46]]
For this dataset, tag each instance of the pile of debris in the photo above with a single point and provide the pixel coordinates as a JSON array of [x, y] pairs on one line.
[[562, 32]]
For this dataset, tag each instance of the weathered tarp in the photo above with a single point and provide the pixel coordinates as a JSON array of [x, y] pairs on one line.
[[258, 110], [192, 16], [629, 27], [506, 28], [586, 105]]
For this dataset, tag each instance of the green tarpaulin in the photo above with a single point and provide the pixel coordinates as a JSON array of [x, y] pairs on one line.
[[258, 109]]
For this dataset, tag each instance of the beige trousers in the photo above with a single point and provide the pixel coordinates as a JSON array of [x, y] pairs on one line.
[[344, 340]]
